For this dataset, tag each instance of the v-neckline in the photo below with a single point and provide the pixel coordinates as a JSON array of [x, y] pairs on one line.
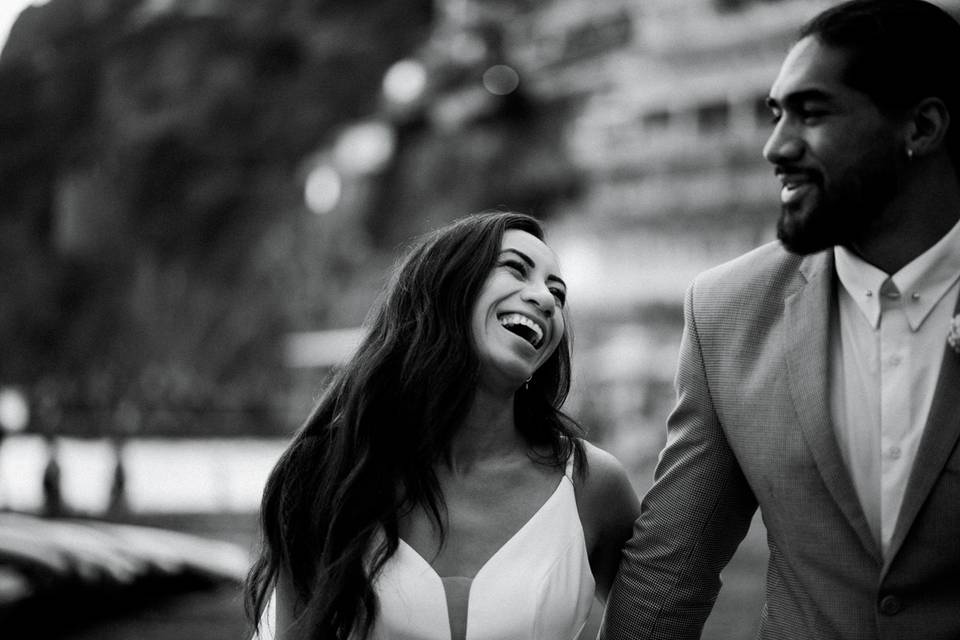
[[500, 550]]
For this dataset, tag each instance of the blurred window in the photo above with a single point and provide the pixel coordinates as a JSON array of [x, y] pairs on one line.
[[736, 5], [713, 117], [598, 36], [656, 120]]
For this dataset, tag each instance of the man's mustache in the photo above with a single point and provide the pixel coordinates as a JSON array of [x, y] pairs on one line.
[[791, 173]]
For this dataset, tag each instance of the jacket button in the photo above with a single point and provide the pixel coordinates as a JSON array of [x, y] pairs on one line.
[[890, 605]]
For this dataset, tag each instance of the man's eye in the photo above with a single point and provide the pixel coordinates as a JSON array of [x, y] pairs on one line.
[[775, 117], [812, 115]]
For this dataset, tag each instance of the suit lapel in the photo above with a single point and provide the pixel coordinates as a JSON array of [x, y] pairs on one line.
[[940, 435], [807, 315]]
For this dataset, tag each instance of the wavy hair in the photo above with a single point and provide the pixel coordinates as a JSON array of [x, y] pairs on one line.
[[366, 454]]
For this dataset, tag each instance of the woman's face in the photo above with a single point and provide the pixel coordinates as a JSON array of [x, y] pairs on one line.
[[517, 319]]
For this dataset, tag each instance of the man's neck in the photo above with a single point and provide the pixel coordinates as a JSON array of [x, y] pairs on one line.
[[925, 210]]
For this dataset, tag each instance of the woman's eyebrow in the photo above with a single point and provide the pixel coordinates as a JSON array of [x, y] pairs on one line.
[[522, 256]]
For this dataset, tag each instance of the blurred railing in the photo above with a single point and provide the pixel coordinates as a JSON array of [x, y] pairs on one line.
[[139, 475]]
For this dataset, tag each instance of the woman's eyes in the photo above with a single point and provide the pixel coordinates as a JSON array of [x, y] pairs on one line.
[[520, 270], [516, 266]]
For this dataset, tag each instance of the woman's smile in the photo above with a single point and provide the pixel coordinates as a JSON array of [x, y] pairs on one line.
[[527, 328]]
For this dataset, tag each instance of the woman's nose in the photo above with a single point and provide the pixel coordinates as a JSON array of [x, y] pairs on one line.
[[541, 296]]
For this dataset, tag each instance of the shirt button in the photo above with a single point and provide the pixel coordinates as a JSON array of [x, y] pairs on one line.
[[890, 605], [895, 360], [894, 452]]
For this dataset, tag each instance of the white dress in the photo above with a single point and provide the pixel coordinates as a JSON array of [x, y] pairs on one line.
[[537, 586]]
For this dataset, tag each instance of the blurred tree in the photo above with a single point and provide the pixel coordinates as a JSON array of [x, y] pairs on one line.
[[468, 144], [149, 159]]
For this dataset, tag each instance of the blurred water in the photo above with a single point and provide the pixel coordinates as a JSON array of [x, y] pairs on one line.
[[161, 475]]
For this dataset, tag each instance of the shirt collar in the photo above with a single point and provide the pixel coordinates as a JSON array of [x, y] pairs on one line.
[[921, 283], [862, 282]]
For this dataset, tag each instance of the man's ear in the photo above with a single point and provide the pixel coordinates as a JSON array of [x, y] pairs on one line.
[[927, 127]]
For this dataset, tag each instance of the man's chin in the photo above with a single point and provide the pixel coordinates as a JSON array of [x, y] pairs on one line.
[[801, 246], [799, 233]]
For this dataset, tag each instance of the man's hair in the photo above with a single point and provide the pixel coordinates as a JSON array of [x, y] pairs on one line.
[[900, 52]]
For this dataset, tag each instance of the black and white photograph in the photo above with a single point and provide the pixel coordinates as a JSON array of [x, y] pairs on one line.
[[480, 319]]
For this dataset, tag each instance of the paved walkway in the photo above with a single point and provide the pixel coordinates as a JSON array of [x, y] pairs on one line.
[[77, 578], [215, 614]]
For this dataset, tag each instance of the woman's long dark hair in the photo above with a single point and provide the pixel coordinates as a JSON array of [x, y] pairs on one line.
[[366, 453]]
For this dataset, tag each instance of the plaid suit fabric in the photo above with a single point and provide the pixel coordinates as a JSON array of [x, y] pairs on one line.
[[752, 427]]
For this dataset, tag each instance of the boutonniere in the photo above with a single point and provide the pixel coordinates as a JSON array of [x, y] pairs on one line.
[[953, 336]]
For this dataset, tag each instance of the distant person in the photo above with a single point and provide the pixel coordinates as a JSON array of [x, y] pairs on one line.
[[437, 485], [117, 503], [819, 376], [51, 480]]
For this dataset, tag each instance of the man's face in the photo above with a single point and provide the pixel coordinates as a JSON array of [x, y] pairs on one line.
[[838, 157]]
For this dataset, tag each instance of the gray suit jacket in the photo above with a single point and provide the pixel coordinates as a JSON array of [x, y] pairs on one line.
[[752, 426]]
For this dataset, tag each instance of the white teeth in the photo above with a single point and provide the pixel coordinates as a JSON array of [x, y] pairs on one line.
[[792, 192], [516, 318]]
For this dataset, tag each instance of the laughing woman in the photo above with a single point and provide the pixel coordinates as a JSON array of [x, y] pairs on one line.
[[437, 491]]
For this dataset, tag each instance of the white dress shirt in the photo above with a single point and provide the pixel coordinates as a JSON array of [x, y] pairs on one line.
[[887, 339]]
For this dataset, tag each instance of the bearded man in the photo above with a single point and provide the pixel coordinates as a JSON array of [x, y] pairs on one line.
[[819, 376]]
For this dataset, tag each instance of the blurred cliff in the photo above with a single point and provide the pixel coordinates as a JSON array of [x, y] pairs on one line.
[[155, 245]]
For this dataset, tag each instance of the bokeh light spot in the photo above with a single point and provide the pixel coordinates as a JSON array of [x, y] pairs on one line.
[[501, 79], [405, 82], [323, 189], [14, 410], [365, 147]]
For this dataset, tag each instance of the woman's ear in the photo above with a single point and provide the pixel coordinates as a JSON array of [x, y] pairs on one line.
[[927, 128]]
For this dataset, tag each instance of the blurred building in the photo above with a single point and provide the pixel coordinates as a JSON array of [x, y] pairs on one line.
[[669, 125]]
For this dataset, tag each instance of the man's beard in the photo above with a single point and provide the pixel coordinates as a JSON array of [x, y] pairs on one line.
[[843, 213]]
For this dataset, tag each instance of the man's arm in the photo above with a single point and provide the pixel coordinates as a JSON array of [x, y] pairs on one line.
[[691, 521]]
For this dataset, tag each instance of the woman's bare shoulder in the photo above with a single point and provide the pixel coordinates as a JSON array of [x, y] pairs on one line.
[[605, 492], [608, 507]]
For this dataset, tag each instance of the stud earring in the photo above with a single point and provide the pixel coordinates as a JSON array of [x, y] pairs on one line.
[[910, 153]]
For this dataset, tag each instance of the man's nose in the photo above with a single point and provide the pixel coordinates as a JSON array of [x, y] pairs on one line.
[[783, 145]]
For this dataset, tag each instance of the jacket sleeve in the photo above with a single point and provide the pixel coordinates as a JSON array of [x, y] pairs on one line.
[[691, 521]]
